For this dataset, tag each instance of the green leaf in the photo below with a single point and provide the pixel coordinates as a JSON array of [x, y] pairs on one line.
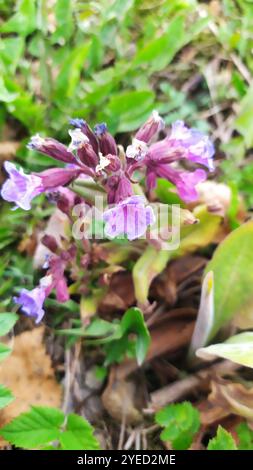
[[23, 21], [120, 344], [130, 109], [133, 322], [205, 317], [165, 191], [35, 428], [232, 266], [201, 234], [245, 435], [69, 75], [222, 441], [244, 120], [11, 51], [64, 21], [78, 435], [238, 348], [4, 351], [5, 95], [6, 396], [181, 422], [151, 263], [7, 321], [159, 52]]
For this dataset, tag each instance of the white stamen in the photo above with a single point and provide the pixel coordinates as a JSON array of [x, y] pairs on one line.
[[137, 150], [77, 139], [103, 162], [37, 140]]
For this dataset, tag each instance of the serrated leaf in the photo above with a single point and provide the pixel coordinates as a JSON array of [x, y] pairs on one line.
[[181, 422], [245, 435], [6, 396], [222, 441], [35, 428], [78, 435], [238, 348], [7, 321]]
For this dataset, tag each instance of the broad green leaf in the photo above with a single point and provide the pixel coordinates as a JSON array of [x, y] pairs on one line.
[[181, 422], [11, 50], [7, 321], [5, 95], [69, 75], [23, 21], [64, 21], [78, 435], [4, 351], [159, 52], [232, 266], [6, 396], [34, 428], [238, 348], [118, 9], [222, 441], [130, 108]]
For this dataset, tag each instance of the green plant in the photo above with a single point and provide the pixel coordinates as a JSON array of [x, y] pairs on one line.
[[181, 422], [48, 428]]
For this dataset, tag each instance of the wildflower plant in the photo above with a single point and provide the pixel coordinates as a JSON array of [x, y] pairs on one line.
[[94, 166]]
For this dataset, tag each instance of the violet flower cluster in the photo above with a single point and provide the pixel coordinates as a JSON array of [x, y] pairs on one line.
[[94, 154]]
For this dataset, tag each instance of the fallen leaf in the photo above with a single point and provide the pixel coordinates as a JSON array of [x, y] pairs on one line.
[[227, 398], [28, 373]]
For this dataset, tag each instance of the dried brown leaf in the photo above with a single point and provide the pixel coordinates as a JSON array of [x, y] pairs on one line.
[[28, 373]]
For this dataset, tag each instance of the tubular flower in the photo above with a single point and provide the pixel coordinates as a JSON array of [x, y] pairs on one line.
[[31, 301], [21, 188], [130, 217], [199, 148]]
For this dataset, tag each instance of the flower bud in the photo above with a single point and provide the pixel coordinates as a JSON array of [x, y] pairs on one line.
[[81, 124], [106, 141], [150, 128], [51, 147]]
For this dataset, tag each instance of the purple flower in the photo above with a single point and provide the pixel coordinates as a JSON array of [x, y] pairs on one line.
[[31, 301], [107, 143], [81, 124], [150, 128], [55, 177], [137, 150], [78, 138], [198, 146], [21, 188], [119, 188], [51, 147], [130, 217], [185, 181]]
